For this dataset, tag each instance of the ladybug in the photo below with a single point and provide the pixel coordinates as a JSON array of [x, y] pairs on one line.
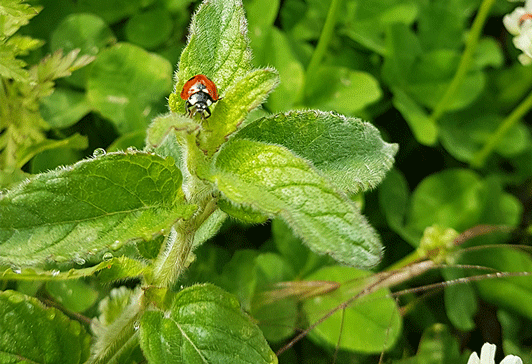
[[199, 93]]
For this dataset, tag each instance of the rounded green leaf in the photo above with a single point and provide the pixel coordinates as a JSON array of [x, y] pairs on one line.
[[74, 295], [124, 83], [33, 333], [87, 32], [453, 198], [64, 107], [370, 324], [273, 181], [204, 325], [511, 293], [112, 10], [149, 29], [78, 213], [347, 151], [341, 89]]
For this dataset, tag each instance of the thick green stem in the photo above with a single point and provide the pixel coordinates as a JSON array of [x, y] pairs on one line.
[[465, 61], [480, 157]]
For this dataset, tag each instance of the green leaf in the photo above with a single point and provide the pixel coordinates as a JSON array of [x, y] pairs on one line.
[[460, 302], [204, 325], [75, 141], [217, 47], [275, 182], [372, 17], [511, 293], [370, 324], [277, 50], [277, 319], [64, 108], [14, 14], [111, 10], [86, 209], [424, 129], [460, 199], [109, 270], [76, 296], [302, 259], [86, 32], [347, 151], [248, 93], [33, 333], [437, 346], [149, 29], [124, 83], [341, 89], [457, 198], [393, 201]]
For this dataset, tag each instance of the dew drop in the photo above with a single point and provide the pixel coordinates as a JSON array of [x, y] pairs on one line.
[[79, 260], [16, 270], [108, 256], [60, 259], [55, 273], [132, 149], [50, 315], [116, 245], [98, 152], [136, 325]]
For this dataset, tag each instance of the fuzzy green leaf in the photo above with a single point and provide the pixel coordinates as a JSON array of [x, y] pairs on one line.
[[84, 210], [108, 271], [248, 93], [204, 325], [217, 47], [272, 180], [33, 333], [348, 151]]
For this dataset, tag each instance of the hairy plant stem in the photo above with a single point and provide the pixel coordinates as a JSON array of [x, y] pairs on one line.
[[172, 259], [480, 157], [465, 61]]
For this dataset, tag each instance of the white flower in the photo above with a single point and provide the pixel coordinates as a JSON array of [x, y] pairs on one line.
[[487, 356], [519, 19], [524, 42], [519, 23]]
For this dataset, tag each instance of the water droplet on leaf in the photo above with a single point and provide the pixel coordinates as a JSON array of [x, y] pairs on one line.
[[116, 245], [108, 256], [79, 260], [98, 152]]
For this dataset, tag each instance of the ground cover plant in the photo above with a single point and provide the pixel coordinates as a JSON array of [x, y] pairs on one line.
[[358, 190]]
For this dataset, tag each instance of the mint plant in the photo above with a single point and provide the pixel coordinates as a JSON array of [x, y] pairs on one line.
[[141, 214]]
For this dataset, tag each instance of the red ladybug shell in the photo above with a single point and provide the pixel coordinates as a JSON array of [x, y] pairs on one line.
[[191, 88]]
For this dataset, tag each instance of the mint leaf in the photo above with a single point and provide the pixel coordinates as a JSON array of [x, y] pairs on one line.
[[272, 180], [204, 325], [108, 271], [95, 205], [33, 333], [217, 47], [348, 151], [247, 94]]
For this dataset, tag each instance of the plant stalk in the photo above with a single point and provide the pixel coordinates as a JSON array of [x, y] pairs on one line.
[[465, 61], [321, 47], [480, 157]]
